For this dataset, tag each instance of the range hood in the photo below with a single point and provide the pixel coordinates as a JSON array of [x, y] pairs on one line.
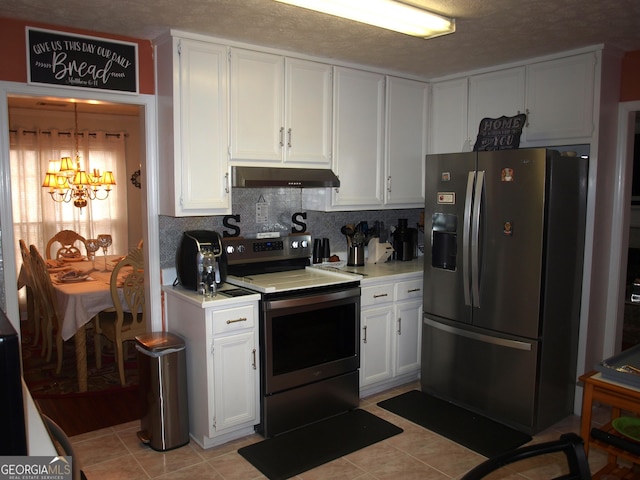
[[283, 177]]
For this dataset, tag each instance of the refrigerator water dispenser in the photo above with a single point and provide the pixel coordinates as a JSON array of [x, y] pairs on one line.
[[444, 241]]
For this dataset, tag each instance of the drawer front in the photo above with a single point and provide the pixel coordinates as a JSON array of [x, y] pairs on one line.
[[232, 319], [376, 295], [409, 290]]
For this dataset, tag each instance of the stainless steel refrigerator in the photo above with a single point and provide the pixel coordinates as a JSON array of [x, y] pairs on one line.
[[502, 282]]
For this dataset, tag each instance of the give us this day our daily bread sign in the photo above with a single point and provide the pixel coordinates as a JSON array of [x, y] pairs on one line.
[[79, 61]]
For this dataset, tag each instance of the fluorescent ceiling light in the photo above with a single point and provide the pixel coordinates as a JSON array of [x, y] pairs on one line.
[[389, 14]]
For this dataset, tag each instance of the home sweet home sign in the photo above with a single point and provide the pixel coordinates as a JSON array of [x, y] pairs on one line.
[[79, 61], [500, 133]]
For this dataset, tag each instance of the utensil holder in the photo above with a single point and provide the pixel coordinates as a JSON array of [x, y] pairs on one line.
[[355, 256]]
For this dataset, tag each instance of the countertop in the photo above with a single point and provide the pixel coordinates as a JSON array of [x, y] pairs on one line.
[[221, 300], [372, 272]]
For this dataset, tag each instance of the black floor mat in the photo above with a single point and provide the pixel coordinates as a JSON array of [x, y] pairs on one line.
[[294, 452], [481, 434]]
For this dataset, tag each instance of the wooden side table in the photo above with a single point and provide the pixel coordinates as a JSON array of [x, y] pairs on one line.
[[621, 398]]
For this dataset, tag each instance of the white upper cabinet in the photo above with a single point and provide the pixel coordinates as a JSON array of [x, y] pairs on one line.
[[192, 116], [358, 138], [280, 111], [560, 96], [379, 143], [557, 96], [257, 101], [308, 104], [493, 95], [458, 106], [448, 116], [405, 142], [220, 106]]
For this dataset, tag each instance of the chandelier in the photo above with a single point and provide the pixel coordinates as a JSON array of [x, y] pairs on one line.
[[67, 181]]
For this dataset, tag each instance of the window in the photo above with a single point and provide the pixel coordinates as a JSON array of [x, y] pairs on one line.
[[36, 216]]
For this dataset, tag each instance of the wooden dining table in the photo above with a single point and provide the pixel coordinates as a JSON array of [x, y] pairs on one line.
[[80, 302]]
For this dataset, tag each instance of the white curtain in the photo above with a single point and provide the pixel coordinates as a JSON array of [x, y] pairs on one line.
[[36, 216]]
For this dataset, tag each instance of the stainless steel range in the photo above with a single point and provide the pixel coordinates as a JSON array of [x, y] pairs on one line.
[[309, 330]]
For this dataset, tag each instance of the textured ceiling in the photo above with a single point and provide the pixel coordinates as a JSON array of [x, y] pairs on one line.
[[489, 32]]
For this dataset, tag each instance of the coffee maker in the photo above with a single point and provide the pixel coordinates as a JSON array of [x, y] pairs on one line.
[[405, 241], [201, 262]]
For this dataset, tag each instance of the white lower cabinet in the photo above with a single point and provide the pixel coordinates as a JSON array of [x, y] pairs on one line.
[[391, 328], [234, 406], [376, 348], [408, 330], [222, 366]]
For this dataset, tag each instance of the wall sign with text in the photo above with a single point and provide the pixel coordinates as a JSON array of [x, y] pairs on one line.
[[500, 133], [70, 60]]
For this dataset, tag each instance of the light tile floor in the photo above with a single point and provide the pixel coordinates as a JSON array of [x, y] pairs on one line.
[[115, 453]]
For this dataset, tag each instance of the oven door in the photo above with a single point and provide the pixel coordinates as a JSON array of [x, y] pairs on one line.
[[308, 336]]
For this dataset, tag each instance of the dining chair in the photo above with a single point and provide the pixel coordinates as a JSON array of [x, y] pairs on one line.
[[68, 240], [570, 444], [52, 319], [64, 446], [127, 318], [34, 315]]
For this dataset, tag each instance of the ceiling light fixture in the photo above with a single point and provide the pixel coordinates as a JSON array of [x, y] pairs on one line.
[[67, 181], [389, 14]]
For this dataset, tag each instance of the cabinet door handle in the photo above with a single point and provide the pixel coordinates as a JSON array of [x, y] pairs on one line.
[[380, 295], [241, 319], [289, 138], [226, 182], [399, 326], [254, 359], [527, 112], [364, 339], [389, 184], [413, 290], [282, 136]]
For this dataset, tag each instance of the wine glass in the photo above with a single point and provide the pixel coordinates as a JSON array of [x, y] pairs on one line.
[[93, 245], [104, 240]]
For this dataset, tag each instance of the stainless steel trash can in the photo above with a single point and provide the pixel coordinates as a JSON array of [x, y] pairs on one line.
[[164, 419]]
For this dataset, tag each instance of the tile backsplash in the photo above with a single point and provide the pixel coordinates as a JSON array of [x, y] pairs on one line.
[[278, 207]]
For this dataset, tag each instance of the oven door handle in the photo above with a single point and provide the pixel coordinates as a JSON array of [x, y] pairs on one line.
[[311, 299]]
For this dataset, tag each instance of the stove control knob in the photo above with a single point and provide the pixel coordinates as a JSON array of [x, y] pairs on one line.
[[241, 248], [305, 244], [230, 249], [295, 244]]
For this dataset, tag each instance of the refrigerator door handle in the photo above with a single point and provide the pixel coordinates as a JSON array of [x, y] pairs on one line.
[[503, 342], [475, 239], [466, 234]]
